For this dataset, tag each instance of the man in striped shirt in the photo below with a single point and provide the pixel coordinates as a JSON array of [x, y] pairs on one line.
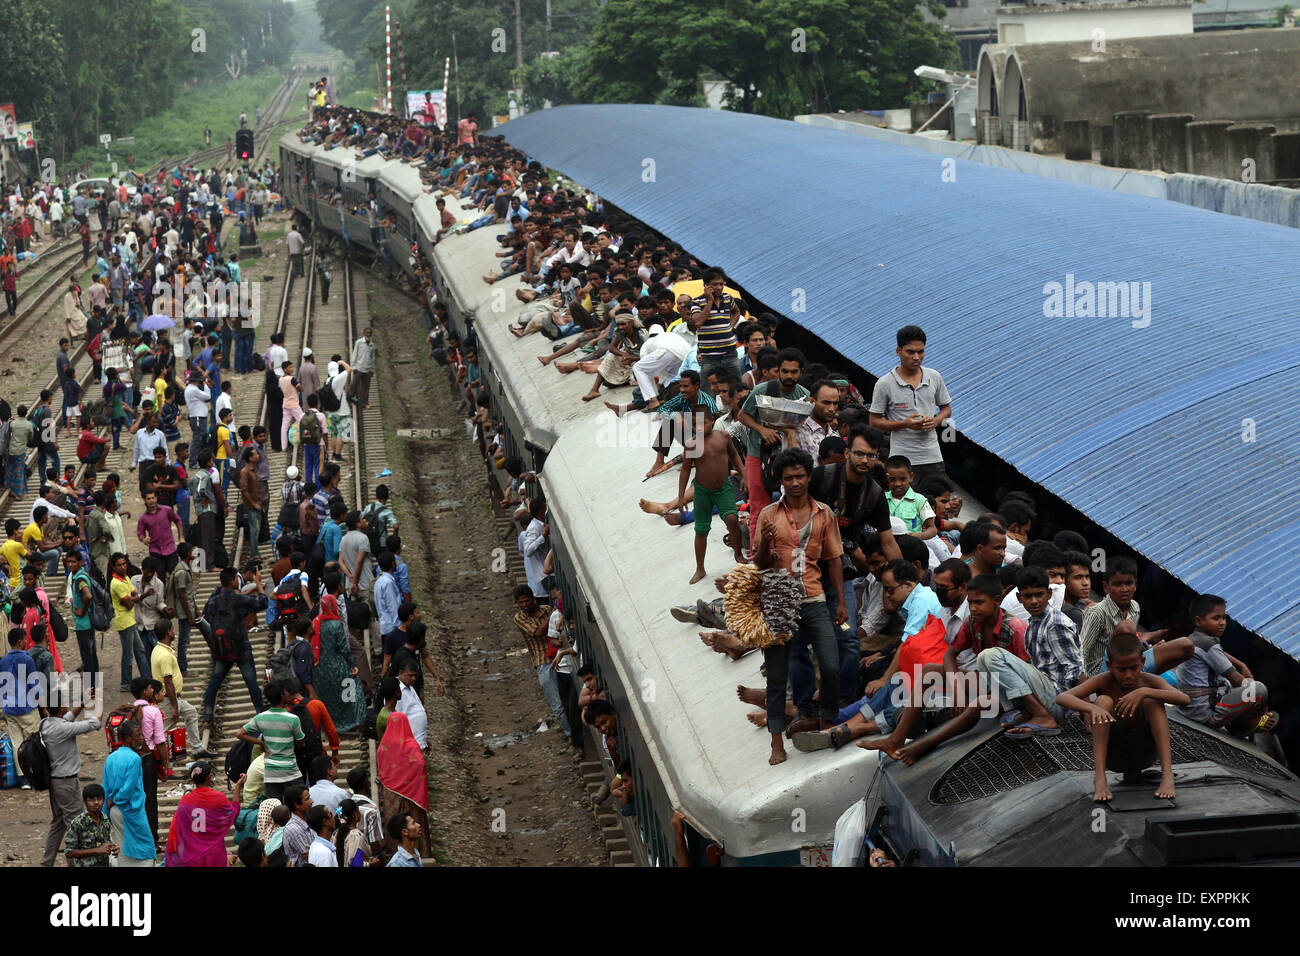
[[717, 335], [280, 731]]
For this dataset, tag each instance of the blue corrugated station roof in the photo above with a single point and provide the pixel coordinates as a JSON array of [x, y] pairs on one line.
[[1173, 430]]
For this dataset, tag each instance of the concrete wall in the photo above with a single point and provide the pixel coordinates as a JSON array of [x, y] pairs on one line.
[[1062, 23]]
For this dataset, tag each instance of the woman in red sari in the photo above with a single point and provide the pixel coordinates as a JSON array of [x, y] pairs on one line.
[[203, 818], [403, 777]]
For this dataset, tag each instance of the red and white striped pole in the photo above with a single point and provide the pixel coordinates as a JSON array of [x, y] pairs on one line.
[[446, 96], [388, 54], [401, 63]]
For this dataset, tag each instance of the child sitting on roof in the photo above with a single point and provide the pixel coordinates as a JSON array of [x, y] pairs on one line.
[[1127, 721], [1223, 693]]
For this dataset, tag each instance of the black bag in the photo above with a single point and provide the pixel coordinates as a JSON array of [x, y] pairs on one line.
[[34, 760], [767, 457], [358, 613], [369, 726], [239, 758], [227, 637], [259, 363], [290, 605], [329, 401], [311, 746], [280, 666], [58, 627]]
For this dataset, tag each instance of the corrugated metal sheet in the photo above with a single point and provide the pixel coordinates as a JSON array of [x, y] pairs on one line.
[[1142, 429]]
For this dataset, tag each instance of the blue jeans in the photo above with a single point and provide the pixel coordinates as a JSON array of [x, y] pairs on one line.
[[551, 688], [815, 629], [219, 671], [183, 507], [847, 641], [311, 462], [42, 458], [878, 707], [252, 529], [183, 639], [133, 646], [224, 465]]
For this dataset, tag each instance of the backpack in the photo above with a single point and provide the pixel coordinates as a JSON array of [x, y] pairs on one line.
[[246, 822], [259, 363], [289, 603], [309, 430], [34, 760], [101, 606], [311, 745], [225, 624], [303, 660], [239, 758], [328, 398], [374, 533], [279, 666], [208, 440]]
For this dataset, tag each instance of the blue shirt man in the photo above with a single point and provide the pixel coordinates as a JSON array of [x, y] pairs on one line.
[[20, 687], [388, 597], [330, 536]]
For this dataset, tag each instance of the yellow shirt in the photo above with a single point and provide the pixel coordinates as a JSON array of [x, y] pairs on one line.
[[14, 551], [123, 617], [223, 439], [33, 535], [163, 662], [159, 392], [255, 785]]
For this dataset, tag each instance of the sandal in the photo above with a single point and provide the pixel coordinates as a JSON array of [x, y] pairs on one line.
[[1267, 722]]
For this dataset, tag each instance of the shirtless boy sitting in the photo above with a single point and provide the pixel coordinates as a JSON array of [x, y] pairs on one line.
[[1128, 722]]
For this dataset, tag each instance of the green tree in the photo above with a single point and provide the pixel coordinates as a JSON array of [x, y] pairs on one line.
[[780, 57]]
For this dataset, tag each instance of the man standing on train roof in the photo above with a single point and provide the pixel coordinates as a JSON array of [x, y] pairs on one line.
[[909, 404]]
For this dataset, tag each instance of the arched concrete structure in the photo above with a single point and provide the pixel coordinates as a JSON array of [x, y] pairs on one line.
[[992, 59]]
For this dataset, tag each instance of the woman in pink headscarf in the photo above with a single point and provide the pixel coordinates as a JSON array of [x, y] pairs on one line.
[[403, 777], [203, 818]]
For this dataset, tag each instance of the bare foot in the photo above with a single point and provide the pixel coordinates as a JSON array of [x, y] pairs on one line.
[[672, 519], [1101, 790], [650, 407], [544, 359], [698, 576], [517, 333], [724, 643], [653, 507], [616, 409], [1166, 789], [904, 755], [881, 743], [778, 751], [591, 396], [660, 469], [757, 717], [752, 695], [566, 368]]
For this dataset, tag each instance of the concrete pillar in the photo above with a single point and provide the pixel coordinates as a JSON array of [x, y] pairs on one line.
[[992, 130], [1286, 155], [1078, 139], [1207, 149], [1044, 129], [1252, 141], [922, 112], [1169, 141], [1106, 147], [1132, 140]]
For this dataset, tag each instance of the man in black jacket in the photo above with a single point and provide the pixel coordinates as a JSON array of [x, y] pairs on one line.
[[226, 613]]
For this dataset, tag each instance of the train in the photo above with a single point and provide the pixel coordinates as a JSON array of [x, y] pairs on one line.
[[980, 799]]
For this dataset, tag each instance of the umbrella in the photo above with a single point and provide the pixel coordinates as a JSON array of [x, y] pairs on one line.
[[157, 322]]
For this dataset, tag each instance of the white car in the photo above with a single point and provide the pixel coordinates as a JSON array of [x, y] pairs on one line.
[[95, 187]]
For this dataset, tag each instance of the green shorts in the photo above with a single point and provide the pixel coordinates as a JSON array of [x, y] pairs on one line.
[[705, 500]]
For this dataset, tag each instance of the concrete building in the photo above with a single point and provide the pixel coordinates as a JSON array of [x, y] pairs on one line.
[[1244, 76], [1119, 20]]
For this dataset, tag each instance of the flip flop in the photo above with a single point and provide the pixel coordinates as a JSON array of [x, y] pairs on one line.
[[1267, 722], [1035, 730], [1009, 718], [810, 741]]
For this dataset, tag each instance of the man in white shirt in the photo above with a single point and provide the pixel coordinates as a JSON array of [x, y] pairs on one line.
[[534, 545], [411, 705], [364, 351], [277, 354], [146, 440], [296, 245], [324, 791], [197, 395]]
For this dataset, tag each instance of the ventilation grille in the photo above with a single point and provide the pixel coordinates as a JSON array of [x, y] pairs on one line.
[[1003, 764]]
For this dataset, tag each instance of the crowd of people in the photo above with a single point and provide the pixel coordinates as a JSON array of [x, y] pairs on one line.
[[897, 587], [335, 570]]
